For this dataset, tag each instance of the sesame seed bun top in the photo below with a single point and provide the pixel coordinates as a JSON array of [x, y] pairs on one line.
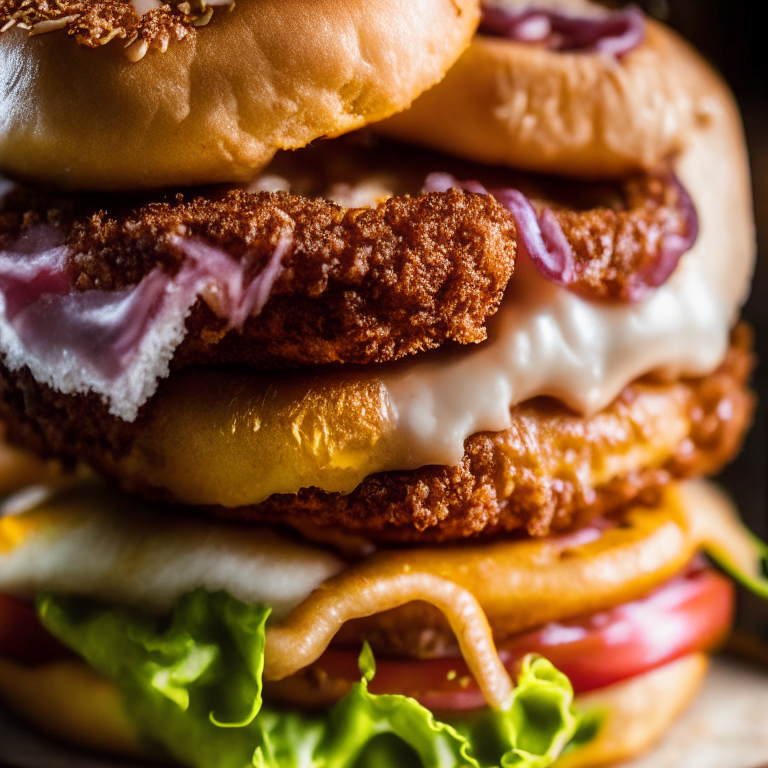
[[199, 97]]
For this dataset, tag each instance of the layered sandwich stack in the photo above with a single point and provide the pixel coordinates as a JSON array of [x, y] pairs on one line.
[[380, 449]]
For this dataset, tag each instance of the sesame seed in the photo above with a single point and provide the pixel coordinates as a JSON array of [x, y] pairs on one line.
[[137, 50]]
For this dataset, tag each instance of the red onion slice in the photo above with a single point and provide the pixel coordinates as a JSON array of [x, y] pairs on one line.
[[671, 247], [541, 237], [615, 33]]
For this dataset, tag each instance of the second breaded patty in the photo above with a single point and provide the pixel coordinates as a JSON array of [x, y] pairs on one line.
[[552, 469]]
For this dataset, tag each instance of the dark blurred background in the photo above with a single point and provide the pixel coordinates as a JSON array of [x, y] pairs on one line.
[[730, 34]]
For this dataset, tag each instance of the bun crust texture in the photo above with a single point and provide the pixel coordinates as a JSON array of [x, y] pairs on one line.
[[217, 105], [586, 115], [69, 701]]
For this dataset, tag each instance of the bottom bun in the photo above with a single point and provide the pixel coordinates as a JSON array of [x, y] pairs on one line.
[[71, 702], [638, 711]]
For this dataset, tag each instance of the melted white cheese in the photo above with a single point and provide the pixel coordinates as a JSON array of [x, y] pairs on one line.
[[545, 340], [91, 541]]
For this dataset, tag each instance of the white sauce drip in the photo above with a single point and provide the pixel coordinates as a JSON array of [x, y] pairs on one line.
[[548, 341], [545, 340]]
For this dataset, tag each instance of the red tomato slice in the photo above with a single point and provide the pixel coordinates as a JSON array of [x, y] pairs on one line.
[[22, 637], [690, 613], [693, 612]]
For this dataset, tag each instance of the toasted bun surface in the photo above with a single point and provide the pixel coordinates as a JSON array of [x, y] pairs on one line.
[[265, 76], [639, 711], [69, 701], [576, 114]]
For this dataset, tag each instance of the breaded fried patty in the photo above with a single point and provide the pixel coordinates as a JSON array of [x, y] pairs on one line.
[[355, 285], [550, 470]]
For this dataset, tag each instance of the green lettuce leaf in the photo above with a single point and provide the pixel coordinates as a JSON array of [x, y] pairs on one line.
[[192, 684], [748, 565], [725, 538]]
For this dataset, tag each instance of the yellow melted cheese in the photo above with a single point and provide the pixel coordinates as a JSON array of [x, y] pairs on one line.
[[88, 541]]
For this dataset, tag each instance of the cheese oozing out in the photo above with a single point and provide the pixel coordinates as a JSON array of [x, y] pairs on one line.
[[332, 429], [84, 540]]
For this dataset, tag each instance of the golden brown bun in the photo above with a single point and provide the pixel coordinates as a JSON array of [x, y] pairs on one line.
[[266, 75], [575, 114], [70, 701], [639, 712]]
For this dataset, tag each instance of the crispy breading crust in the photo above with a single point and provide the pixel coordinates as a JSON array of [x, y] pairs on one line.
[[616, 229], [611, 248], [94, 23], [358, 285], [550, 471]]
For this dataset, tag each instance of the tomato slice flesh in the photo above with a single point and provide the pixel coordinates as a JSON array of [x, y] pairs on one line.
[[22, 637], [690, 613]]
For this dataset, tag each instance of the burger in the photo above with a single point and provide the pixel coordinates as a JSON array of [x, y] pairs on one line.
[[359, 366]]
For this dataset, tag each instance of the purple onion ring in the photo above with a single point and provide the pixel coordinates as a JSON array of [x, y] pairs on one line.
[[615, 33], [671, 247], [542, 239]]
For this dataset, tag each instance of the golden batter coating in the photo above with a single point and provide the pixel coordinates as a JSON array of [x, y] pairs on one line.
[[357, 285], [551, 470]]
